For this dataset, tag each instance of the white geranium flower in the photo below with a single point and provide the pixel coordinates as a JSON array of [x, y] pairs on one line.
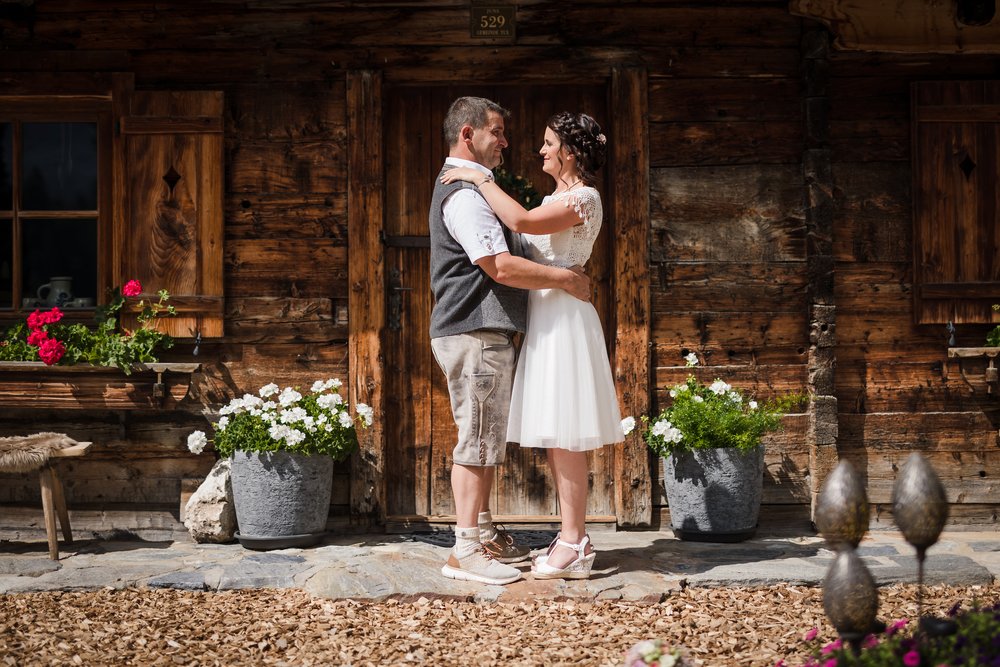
[[196, 442], [223, 423], [719, 387], [691, 359], [366, 413], [318, 386], [294, 436], [735, 397], [697, 399], [661, 427], [335, 383], [329, 401], [292, 415], [345, 420], [289, 396], [673, 393], [628, 425], [268, 390], [753, 405]]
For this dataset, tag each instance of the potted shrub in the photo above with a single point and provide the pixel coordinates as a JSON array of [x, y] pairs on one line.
[[282, 445], [710, 439]]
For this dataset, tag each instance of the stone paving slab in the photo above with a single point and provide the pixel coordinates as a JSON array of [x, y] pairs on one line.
[[642, 566]]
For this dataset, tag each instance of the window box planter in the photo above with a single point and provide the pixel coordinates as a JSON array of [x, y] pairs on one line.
[[32, 384], [975, 359]]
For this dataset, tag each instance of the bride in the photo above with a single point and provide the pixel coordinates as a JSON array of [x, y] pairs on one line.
[[564, 397]]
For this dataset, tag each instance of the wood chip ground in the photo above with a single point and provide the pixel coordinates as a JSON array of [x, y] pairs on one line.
[[716, 626]]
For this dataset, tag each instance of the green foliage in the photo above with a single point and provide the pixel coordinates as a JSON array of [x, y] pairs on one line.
[[102, 345], [716, 415], [993, 337], [14, 345], [316, 423], [517, 187], [975, 642]]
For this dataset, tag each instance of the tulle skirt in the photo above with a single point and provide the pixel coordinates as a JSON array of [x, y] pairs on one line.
[[564, 393]]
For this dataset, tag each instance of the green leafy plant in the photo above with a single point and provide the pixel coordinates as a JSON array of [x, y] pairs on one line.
[[45, 337], [993, 337], [973, 643], [517, 187], [707, 416], [286, 420]]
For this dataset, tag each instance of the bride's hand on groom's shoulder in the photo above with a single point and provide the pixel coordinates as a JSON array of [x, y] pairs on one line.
[[467, 174]]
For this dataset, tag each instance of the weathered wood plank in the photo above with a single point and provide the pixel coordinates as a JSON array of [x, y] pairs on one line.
[[735, 214], [967, 477], [89, 389], [181, 26], [721, 331], [683, 144], [286, 320], [872, 218], [705, 100], [287, 216], [367, 282], [631, 213], [729, 286], [300, 268], [304, 167], [301, 113], [860, 140], [903, 432]]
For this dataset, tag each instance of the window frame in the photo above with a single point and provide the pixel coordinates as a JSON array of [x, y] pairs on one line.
[[19, 109]]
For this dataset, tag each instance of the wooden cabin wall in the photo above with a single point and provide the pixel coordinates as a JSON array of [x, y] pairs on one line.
[[727, 250], [728, 233], [892, 396]]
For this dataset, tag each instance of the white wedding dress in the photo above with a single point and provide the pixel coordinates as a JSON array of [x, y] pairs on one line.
[[564, 393]]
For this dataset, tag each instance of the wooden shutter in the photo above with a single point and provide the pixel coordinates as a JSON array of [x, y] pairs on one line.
[[169, 235], [956, 233]]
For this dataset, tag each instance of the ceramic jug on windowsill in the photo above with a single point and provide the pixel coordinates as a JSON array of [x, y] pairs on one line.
[[57, 291]]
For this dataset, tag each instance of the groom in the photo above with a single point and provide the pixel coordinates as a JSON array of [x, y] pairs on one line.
[[479, 280]]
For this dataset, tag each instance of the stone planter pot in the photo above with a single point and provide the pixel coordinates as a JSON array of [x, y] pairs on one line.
[[714, 494], [282, 500]]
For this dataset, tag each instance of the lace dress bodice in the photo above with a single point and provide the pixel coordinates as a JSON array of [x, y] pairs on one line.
[[570, 247]]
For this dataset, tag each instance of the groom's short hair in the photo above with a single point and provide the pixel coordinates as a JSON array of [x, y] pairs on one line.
[[472, 111]]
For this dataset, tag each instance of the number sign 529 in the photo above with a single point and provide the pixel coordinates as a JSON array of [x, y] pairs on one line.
[[493, 21]]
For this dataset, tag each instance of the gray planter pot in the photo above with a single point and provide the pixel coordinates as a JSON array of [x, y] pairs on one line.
[[714, 494], [282, 500]]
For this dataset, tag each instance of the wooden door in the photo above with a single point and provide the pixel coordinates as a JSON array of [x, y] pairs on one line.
[[420, 431]]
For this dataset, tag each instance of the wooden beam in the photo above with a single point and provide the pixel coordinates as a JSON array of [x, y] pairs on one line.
[[630, 216], [366, 288]]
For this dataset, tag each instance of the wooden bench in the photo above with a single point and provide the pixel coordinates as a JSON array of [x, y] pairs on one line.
[[53, 499]]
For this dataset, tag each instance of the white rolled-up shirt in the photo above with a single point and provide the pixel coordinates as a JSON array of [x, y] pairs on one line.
[[470, 220]]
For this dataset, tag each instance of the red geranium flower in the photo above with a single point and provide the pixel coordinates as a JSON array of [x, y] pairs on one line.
[[37, 337], [35, 320], [132, 288], [51, 351], [53, 315]]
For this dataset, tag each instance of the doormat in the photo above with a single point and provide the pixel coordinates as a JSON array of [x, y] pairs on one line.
[[533, 539]]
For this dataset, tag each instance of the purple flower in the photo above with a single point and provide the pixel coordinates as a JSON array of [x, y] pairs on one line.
[[830, 648], [811, 635], [911, 659], [832, 662], [896, 626]]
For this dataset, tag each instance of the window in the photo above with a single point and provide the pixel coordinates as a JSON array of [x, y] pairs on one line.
[[956, 231], [54, 208], [99, 188]]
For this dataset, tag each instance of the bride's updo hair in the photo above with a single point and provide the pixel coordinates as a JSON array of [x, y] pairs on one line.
[[582, 137]]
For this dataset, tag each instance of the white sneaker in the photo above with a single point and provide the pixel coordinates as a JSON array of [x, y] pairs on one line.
[[480, 566]]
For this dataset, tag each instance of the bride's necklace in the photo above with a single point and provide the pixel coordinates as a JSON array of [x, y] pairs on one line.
[[570, 186]]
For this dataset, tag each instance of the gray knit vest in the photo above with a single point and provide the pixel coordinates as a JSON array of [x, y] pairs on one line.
[[465, 297]]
